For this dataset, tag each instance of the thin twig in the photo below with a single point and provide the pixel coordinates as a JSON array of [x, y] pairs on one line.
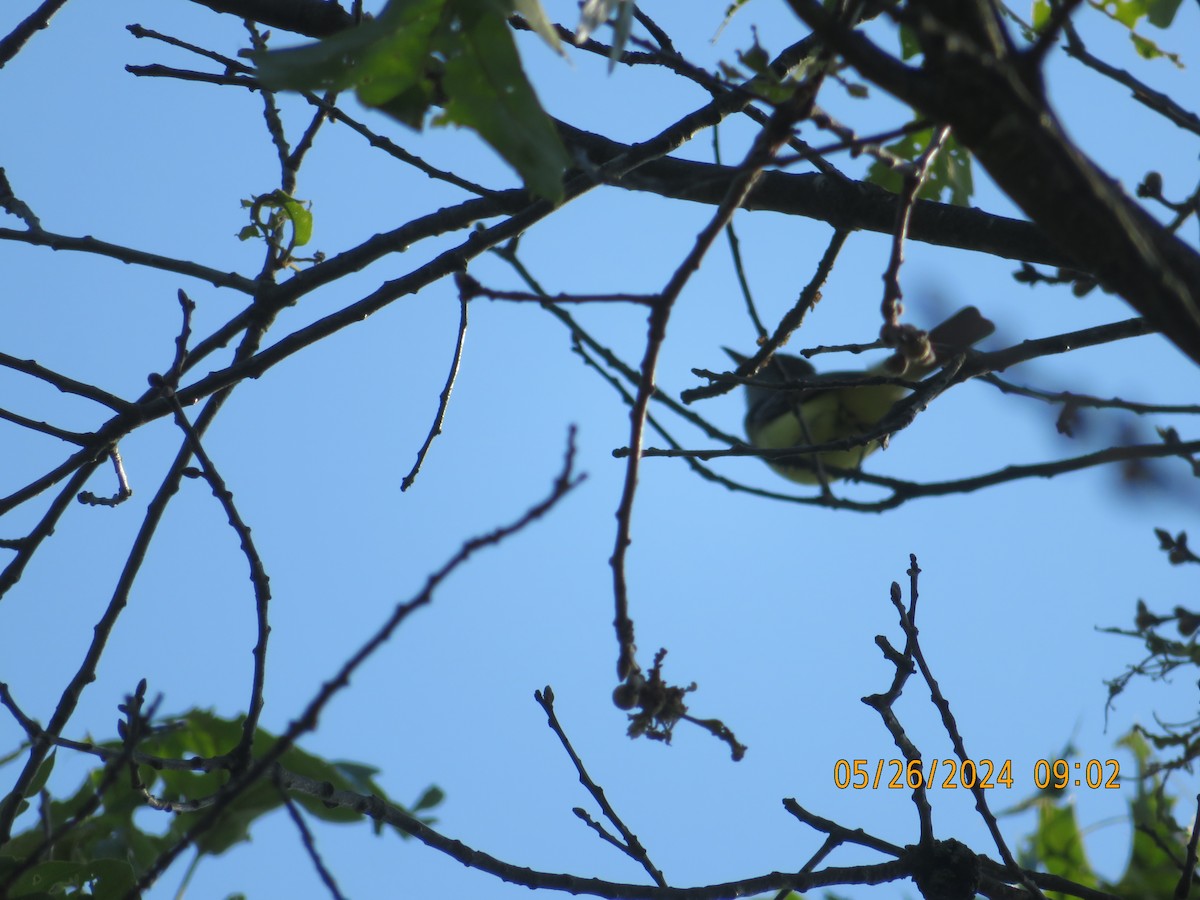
[[585, 340], [65, 384], [735, 252], [232, 66], [11, 574], [1161, 103], [71, 437], [564, 482], [11, 203], [469, 288], [951, 726], [843, 834], [370, 805], [292, 164], [791, 321], [101, 632], [258, 577], [444, 400], [909, 490], [883, 703], [54, 241], [631, 846], [1060, 18], [764, 150], [310, 846], [324, 105], [1070, 398], [124, 491], [913, 179]]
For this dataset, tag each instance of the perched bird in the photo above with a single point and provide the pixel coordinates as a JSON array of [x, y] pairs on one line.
[[838, 413]]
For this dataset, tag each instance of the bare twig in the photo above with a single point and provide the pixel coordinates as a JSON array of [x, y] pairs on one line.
[[883, 703], [735, 252], [469, 288], [761, 153], [1162, 104], [258, 577], [29, 544], [629, 844], [792, 320], [444, 400], [11, 203], [129, 255], [124, 491], [564, 482], [65, 384], [939, 700], [71, 437], [1070, 398], [310, 847], [913, 179]]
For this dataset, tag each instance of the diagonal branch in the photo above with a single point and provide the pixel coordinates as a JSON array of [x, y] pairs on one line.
[[843, 203]]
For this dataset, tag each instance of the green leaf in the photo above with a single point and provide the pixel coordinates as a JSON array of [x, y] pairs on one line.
[[380, 58], [432, 797], [103, 854], [1129, 12], [43, 774], [300, 217], [359, 776], [755, 59], [1040, 14], [457, 52], [909, 45], [729, 71], [107, 878], [1151, 871], [950, 173], [1161, 13], [487, 91], [1147, 49], [730, 11], [289, 208], [1058, 844]]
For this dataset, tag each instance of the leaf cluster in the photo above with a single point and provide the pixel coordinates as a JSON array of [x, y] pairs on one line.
[[1157, 844], [458, 55], [103, 850]]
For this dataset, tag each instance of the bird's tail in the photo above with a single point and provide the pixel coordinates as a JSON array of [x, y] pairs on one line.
[[959, 332]]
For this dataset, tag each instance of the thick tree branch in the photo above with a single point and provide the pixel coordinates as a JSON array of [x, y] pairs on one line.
[[846, 205], [40, 18]]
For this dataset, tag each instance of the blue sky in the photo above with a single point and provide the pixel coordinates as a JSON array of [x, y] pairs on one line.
[[771, 607]]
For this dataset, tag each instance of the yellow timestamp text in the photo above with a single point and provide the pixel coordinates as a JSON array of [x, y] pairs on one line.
[[985, 774]]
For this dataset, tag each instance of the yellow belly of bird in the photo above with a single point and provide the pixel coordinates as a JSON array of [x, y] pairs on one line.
[[835, 415]]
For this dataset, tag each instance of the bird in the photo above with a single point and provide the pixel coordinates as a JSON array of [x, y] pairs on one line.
[[843, 412]]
